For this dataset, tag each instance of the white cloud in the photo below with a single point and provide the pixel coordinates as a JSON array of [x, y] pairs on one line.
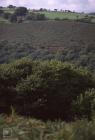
[[78, 5]]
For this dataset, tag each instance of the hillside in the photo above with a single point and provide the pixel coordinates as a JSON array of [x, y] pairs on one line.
[[63, 40], [47, 75]]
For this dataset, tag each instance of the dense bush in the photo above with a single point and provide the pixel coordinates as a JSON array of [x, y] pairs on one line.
[[7, 15], [57, 18], [13, 18], [35, 16], [31, 16], [11, 6], [86, 19], [41, 16], [21, 11], [1, 11], [63, 40], [85, 104], [79, 56], [45, 89]]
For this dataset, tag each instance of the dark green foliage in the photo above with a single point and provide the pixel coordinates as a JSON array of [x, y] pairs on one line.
[[21, 11], [13, 18], [44, 89], [35, 16], [57, 18], [41, 16], [11, 6], [7, 15], [1, 11], [85, 104], [86, 19], [31, 16]]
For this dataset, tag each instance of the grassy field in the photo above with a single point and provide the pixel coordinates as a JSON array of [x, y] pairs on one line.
[[2, 20], [63, 15]]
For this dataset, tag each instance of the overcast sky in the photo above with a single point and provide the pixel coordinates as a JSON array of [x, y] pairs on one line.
[[77, 5]]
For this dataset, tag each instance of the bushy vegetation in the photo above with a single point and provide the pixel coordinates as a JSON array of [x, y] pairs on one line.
[[20, 14], [61, 40], [47, 90], [35, 16], [16, 127]]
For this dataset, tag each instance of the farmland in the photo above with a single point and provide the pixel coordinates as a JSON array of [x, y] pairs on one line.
[[63, 15], [63, 40]]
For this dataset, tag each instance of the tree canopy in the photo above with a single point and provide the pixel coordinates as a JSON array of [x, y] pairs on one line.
[[21, 11]]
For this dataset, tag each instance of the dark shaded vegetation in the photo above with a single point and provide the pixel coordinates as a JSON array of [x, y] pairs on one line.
[[35, 16], [6, 15], [62, 40], [47, 89], [21, 11], [13, 14], [1, 12], [20, 14]]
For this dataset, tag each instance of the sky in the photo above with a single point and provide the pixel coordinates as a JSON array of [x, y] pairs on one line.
[[76, 5]]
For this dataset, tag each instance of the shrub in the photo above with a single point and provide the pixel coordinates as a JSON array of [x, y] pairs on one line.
[[1, 11], [31, 16], [46, 89], [41, 16], [6, 15], [85, 104], [85, 19], [13, 18], [35, 16], [57, 18], [21, 11], [51, 83]]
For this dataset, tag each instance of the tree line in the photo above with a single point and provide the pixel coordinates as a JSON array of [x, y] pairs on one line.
[[20, 14]]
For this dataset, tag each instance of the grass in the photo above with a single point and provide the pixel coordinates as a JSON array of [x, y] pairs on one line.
[[31, 129], [8, 10], [2, 20], [62, 15]]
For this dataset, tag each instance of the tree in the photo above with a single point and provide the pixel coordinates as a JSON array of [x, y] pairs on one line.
[[1, 7], [21, 11], [13, 18], [1, 12], [11, 6], [6, 15], [31, 16], [55, 10]]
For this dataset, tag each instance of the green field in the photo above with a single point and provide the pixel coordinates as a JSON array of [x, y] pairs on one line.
[[8, 10], [62, 15]]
